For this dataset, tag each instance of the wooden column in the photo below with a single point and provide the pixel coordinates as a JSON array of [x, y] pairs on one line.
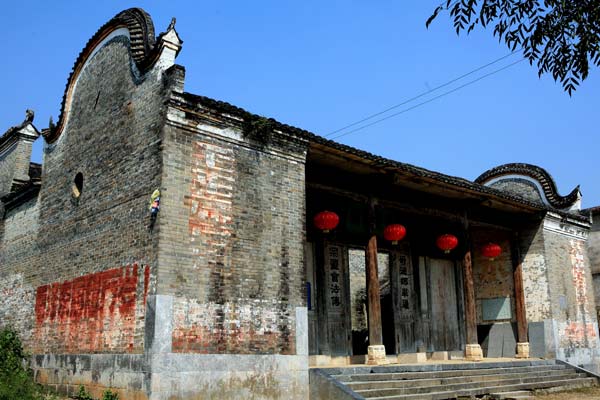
[[470, 312], [374, 305], [472, 349], [522, 339], [376, 350]]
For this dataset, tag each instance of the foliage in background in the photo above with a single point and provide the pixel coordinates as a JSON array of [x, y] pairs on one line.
[[83, 394], [15, 380], [109, 395], [561, 36]]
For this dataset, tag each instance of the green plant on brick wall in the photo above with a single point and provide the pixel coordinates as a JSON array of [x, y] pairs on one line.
[[109, 395], [15, 380], [83, 394]]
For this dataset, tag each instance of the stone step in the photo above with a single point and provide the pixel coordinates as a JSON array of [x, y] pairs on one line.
[[346, 378], [517, 395], [382, 392], [389, 383], [481, 365], [453, 394]]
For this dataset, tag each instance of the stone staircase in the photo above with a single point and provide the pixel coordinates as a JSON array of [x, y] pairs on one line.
[[490, 380]]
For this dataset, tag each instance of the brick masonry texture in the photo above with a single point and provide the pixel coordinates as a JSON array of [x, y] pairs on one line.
[[232, 250], [100, 311], [113, 126], [535, 275], [14, 162]]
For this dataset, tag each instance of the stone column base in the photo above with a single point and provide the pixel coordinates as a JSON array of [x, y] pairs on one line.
[[376, 355], [522, 350], [473, 352]]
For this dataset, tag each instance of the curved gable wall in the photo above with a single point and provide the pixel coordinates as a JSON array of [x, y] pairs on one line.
[[89, 271]]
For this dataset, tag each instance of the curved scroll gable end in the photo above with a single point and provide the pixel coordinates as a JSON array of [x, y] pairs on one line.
[[516, 176], [137, 26]]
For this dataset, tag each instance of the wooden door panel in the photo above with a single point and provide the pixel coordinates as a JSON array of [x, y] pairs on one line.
[[445, 333]]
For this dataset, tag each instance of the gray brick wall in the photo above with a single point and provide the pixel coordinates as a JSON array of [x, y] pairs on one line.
[[231, 249], [114, 123]]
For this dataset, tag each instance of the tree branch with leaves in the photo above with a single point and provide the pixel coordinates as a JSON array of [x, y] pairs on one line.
[[562, 37]]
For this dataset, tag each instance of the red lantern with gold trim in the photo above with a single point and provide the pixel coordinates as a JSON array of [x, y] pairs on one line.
[[446, 242], [394, 233], [326, 220], [491, 250]]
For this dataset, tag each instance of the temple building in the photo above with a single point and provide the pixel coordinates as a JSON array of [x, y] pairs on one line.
[[172, 246]]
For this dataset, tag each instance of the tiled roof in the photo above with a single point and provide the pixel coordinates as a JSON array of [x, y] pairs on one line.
[[226, 108]]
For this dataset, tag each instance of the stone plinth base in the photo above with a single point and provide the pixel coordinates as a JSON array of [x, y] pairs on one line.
[[522, 350], [439, 356], [473, 352], [376, 355], [410, 358]]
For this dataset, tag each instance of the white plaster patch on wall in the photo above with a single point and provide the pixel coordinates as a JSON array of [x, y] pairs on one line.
[[17, 299], [554, 223], [260, 316], [535, 284]]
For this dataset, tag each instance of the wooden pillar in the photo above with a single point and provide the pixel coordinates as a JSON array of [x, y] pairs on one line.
[[376, 349], [522, 339], [472, 349]]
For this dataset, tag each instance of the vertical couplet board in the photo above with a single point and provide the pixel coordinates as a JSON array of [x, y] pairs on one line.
[[401, 270], [337, 299], [445, 335]]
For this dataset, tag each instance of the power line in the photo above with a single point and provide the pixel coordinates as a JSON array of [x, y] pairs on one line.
[[422, 94], [429, 100]]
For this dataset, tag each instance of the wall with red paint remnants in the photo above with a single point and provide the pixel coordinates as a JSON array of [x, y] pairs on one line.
[[571, 296], [85, 264], [232, 254], [103, 311]]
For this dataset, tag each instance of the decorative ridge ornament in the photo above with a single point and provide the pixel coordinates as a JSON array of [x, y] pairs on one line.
[[538, 174], [394, 233], [446, 242], [326, 220]]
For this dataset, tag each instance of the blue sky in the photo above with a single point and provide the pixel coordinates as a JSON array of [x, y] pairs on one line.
[[321, 65]]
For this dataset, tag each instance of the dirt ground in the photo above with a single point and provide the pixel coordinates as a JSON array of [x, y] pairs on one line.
[[578, 394]]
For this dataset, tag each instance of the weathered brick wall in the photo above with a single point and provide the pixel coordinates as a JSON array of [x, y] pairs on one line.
[[493, 279], [231, 249], [14, 163], [90, 261], [535, 275], [593, 244], [571, 292], [18, 255]]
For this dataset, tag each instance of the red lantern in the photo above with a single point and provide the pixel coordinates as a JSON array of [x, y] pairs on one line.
[[394, 233], [326, 220], [446, 242], [491, 250]]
